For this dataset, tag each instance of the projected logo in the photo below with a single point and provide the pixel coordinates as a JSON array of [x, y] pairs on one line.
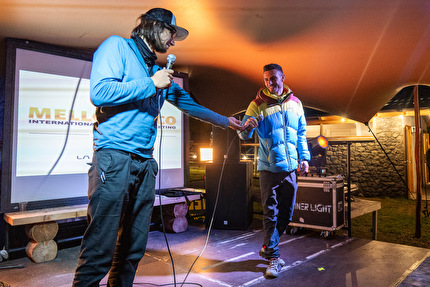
[[171, 144], [49, 135], [58, 116]]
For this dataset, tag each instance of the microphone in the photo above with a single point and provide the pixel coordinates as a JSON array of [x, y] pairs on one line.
[[170, 61]]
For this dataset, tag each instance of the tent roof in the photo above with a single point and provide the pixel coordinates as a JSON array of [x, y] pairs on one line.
[[345, 57]]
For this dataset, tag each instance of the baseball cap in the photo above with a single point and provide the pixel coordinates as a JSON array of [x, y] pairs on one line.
[[166, 16]]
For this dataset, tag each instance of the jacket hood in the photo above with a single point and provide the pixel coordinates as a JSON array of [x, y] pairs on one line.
[[265, 95]]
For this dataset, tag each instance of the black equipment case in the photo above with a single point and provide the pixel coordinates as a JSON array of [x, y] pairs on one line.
[[320, 203]]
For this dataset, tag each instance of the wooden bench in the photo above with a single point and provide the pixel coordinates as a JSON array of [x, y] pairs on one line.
[[42, 227], [363, 206]]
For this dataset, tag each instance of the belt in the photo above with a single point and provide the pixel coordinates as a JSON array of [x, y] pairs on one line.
[[137, 157], [130, 154]]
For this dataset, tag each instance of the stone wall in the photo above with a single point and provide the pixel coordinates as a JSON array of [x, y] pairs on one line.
[[371, 170]]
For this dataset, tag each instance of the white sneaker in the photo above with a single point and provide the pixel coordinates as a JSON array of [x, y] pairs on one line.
[[280, 261], [274, 268]]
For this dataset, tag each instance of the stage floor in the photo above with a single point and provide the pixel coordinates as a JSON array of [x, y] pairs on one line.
[[231, 259]]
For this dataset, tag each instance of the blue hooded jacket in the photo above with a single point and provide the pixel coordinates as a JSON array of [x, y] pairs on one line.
[[281, 130], [124, 94]]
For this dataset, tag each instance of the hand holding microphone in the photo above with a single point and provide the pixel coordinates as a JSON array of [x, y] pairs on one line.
[[252, 123], [163, 78], [235, 124]]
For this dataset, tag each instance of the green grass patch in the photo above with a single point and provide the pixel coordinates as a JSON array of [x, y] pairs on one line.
[[396, 223]]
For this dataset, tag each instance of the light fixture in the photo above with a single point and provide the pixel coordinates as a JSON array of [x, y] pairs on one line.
[[322, 141], [206, 154]]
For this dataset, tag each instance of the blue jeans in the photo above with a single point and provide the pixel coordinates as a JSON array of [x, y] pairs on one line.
[[121, 191], [278, 197]]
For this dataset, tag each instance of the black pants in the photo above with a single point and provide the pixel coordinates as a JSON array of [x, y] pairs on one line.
[[278, 196], [121, 191]]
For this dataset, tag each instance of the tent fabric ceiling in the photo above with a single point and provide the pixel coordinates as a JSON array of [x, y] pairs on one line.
[[345, 57]]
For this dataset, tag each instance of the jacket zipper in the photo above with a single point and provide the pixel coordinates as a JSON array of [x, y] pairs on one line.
[[285, 135]]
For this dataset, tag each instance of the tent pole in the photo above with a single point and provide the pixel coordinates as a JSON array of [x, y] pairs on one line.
[[417, 163]]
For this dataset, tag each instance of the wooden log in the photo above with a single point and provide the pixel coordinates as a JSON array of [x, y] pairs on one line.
[[175, 224], [41, 251], [42, 231], [176, 210]]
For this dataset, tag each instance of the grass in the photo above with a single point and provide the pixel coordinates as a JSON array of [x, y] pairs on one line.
[[396, 223]]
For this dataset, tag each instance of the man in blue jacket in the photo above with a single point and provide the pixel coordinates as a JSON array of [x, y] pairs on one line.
[[129, 89], [280, 122]]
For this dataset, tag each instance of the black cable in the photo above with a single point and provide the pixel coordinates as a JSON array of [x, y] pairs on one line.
[[213, 212], [388, 157], [153, 284], [161, 285], [68, 128], [161, 212], [159, 186]]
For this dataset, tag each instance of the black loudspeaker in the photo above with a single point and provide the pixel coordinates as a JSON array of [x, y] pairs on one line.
[[234, 207], [223, 141]]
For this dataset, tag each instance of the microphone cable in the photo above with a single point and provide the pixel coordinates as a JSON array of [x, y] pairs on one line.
[[75, 95], [159, 96], [159, 198], [391, 162], [213, 212]]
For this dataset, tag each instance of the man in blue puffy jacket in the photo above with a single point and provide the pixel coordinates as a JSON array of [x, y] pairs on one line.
[[129, 89], [279, 119]]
